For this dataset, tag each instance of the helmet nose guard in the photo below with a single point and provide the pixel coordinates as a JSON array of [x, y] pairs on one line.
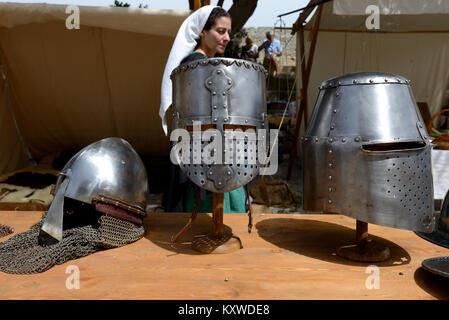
[[108, 174]]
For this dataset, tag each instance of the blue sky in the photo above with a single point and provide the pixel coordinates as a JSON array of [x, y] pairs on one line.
[[264, 16]]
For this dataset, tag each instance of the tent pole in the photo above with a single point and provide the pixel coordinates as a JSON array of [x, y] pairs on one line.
[[305, 76], [310, 60], [303, 98], [200, 3], [304, 15], [16, 124]]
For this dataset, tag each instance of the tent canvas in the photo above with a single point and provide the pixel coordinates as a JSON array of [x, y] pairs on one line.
[[414, 45], [66, 88]]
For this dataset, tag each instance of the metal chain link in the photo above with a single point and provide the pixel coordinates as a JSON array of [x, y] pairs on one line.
[[22, 254], [5, 230]]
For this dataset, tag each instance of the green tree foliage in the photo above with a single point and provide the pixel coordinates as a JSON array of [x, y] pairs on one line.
[[120, 4], [234, 48], [125, 4]]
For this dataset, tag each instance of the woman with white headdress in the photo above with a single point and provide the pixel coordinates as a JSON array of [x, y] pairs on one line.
[[204, 34]]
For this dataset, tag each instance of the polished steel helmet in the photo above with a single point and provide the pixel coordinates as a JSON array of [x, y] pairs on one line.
[[108, 174], [366, 153], [224, 96]]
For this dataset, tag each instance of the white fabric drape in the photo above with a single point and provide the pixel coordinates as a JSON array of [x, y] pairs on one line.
[[184, 43]]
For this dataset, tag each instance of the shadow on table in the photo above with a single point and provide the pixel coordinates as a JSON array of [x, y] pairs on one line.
[[435, 285], [320, 240], [161, 230]]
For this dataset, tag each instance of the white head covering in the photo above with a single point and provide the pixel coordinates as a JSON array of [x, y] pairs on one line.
[[185, 42]]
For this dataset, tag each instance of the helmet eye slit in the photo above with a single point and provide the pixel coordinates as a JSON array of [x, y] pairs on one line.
[[392, 147]]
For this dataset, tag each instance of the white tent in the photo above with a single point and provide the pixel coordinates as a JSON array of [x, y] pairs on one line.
[[65, 88], [412, 41]]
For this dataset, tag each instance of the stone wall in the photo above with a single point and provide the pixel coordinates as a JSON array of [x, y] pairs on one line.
[[288, 42]]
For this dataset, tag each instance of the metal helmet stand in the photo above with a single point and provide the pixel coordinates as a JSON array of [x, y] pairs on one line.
[[364, 249], [218, 240]]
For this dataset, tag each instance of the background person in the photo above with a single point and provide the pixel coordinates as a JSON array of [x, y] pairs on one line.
[[249, 51], [273, 50]]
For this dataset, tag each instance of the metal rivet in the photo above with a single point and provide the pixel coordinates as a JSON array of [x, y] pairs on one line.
[[332, 127], [354, 81], [214, 93], [215, 107], [215, 119], [209, 82], [357, 139], [225, 120], [330, 165], [339, 83], [330, 201], [399, 81], [306, 139], [219, 183], [246, 121], [224, 106], [210, 172], [330, 189], [316, 139], [302, 138], [337, 94], [331, 139], [334, 111], [330, 177], [330, 151], [224, 93], [344, 140], [229, 82], [229, 173], [218, 71]]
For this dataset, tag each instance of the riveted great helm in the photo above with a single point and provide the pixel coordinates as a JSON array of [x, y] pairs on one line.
[[108, 174], [224, 96], [366, 153]]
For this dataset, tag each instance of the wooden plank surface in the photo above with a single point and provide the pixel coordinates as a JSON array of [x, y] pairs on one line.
[[285, 257]]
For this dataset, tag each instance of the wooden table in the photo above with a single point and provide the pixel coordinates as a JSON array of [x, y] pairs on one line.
[[287, 256]]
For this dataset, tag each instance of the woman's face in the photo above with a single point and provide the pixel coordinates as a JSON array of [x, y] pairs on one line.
[[216, 39]]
